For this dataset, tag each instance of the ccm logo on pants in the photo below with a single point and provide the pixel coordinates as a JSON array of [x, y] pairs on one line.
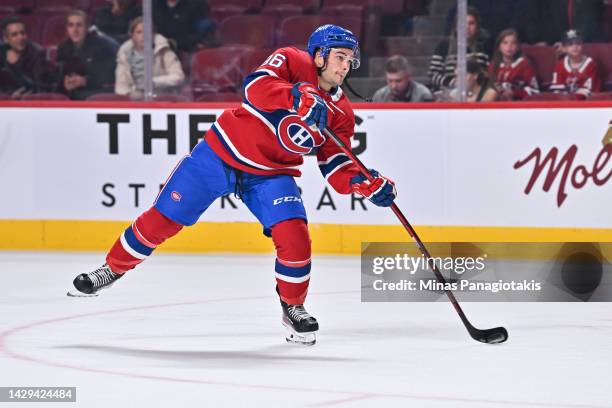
[[287, 199]]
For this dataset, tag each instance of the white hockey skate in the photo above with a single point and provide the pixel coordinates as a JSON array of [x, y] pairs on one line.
[[90, 284], [300, 325]]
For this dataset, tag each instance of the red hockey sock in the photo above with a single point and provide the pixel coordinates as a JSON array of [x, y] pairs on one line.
[[140, 239], [292, 243]]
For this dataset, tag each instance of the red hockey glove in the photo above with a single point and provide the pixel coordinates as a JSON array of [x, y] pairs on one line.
[[380, 191], [309, 105]]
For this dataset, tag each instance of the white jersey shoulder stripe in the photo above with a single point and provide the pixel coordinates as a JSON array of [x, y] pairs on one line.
[[244, 159], [254, 112]]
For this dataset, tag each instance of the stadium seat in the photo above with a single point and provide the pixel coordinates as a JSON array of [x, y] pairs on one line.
[[45, 96], [254, 59], [308, 6], [550, 96], [601, 96], [19, 5], [410, 46], [428, 26], [53, 30], [94, 4], [281, 12], [220, 13], [60, 5], [255, 30], [247, 5], [544, 60], [295, 30], [344, 10], [415, 7], [217, 69], [387, 7], [602, 54], [108, 97], [221, 97]]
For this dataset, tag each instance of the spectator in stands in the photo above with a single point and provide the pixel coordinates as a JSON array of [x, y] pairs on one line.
[[184, 21], [400, 85], [113, 18], [444, 60], [86, 60], [512, 74], [495, 16], [575, 73], [130, 74], [479, 87], [23, 64]]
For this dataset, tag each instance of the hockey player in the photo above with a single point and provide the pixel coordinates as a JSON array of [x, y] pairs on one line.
[[256, 151], [575, 73], [512, 74]]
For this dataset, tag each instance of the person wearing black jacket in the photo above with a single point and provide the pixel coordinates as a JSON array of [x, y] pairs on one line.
[[23, 65], [113, 18], [184, 21], [86, 60]]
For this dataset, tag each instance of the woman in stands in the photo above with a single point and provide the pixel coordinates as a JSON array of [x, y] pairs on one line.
[[479, 88], [444, 59], [513, 76], [130, 73]]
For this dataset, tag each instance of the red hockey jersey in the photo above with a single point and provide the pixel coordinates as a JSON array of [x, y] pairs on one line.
[[581, 80], [519, 77], [265, 136]]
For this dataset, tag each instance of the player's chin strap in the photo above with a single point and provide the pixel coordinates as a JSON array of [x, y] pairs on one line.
[[350, 88]]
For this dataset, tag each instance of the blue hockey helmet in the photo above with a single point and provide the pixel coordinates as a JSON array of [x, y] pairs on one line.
[[331, 36]]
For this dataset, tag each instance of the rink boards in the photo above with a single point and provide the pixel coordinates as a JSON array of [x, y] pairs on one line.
[[73, 176]]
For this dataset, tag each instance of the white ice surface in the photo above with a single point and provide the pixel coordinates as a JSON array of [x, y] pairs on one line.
[[204, 331]]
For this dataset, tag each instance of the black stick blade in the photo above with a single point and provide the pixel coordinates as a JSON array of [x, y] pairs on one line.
[[490, 336]]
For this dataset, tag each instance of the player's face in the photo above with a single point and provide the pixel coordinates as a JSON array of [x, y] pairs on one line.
[[472, 26], [15, 36], [338, 66], [138, 36], [508, 46], [574, 50], [398, 82], [76, 28]]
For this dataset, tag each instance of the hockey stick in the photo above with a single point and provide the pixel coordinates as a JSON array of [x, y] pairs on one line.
[[491, 336]]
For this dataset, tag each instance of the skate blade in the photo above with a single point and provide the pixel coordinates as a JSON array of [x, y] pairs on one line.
[[76, 293], [299, 339]]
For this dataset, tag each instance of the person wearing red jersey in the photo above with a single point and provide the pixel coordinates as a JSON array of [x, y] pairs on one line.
[[575, 73], [512, 74], [255, 151]]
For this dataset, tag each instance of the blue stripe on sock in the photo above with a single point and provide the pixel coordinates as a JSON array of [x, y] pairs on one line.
[[135, 244], [292, 272]]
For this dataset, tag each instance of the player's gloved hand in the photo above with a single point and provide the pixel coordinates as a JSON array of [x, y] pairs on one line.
[[309, 105], [380, 191]]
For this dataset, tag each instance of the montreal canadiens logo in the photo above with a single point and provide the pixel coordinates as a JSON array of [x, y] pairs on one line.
[[296, 137]]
